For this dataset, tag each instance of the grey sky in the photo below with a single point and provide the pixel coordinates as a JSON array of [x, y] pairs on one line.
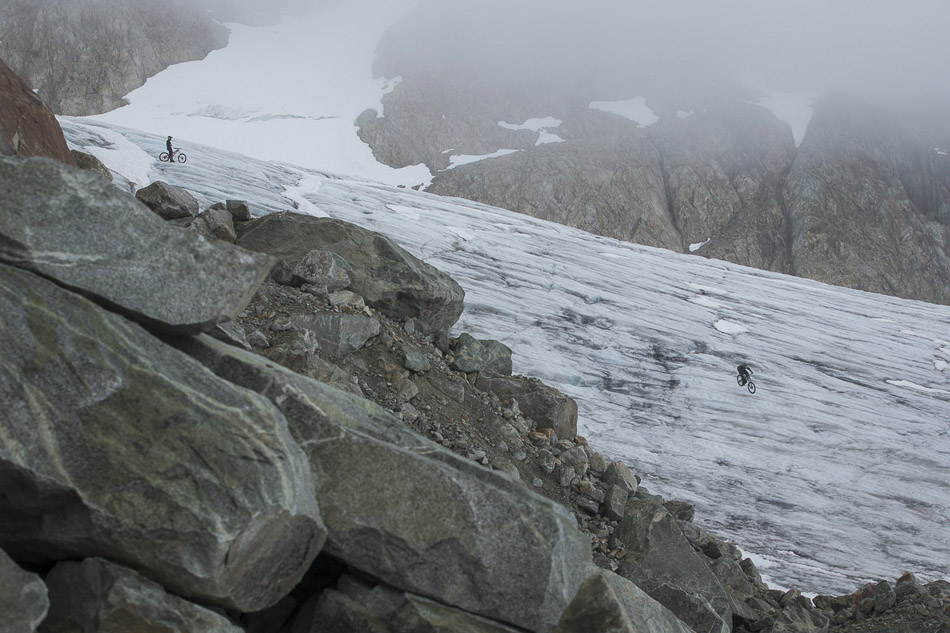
[[793, 44], [796, 45]]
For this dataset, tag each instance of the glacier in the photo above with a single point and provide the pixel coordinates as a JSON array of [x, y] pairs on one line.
[[834, 473]]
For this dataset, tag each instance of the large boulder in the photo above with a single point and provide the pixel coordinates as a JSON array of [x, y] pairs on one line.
[[169, 202], [74, 227], [356, 606], [548, 407], [474, 355], [91, 163], [661, 561], [336, 333], [27, 126], [116, 445], [384, 274], [23, 597], [96, 595], [608, 603], [413, 514]]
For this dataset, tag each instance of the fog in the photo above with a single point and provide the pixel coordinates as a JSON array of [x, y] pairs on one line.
[[871, 46]]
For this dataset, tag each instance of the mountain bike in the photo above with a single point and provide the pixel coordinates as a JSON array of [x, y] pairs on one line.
[[746, 382], [177, 154]]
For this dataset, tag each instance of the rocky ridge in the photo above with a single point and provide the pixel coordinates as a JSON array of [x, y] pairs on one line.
[[84, 56], [423, 453]]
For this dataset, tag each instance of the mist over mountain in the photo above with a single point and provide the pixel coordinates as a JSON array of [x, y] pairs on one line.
[[807, 140]]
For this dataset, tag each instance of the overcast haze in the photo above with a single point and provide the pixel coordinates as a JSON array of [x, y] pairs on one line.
[[805, 45]]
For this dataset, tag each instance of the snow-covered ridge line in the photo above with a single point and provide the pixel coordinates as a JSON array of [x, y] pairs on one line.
[[833, 473]]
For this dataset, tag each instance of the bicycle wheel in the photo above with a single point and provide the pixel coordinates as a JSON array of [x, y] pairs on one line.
[[181, 157], [163, 157], [739, 380], [751, 387]]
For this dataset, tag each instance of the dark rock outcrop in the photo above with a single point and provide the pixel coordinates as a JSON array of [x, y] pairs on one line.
[[475, 557], [550, 408], [91, 163], [357, 605], [84, 56], [91, 237], [96, 595], [608, 603], [144, 456], [168, 201], [866, 202], [661, 561], [472, 355], [27, 126], [386, 276]]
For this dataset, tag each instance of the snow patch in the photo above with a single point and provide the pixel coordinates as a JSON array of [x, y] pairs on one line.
[[465, 159], [539, 125], [311, 105], [123, 157], [698, 245], [634, 109], [308, 184], [728, 327], [683, 114]]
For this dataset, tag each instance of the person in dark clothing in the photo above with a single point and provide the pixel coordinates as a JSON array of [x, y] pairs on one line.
[[171, 152], [745, 374]]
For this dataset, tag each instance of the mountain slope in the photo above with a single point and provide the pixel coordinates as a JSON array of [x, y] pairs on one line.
[[847, 191], [84, 56], [833, 473]]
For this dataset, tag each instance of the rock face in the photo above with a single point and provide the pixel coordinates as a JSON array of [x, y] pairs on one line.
[[385, 275], [84, 56], [117, 445], [869, 205], [359, 606], [550, 408], [662, 562], [493, 534], [23, 597], [96, 595], [27, 126], [168, 202], [89, 236], [608, 603]]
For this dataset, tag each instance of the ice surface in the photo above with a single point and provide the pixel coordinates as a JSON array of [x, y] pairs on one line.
[[306, 79], [836, 472]]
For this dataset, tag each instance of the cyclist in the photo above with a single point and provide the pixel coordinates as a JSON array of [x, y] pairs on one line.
[[745, 374], [171, 152]]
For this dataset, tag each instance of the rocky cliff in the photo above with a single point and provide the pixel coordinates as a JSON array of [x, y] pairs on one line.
[[83, 56], [27, 126]]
